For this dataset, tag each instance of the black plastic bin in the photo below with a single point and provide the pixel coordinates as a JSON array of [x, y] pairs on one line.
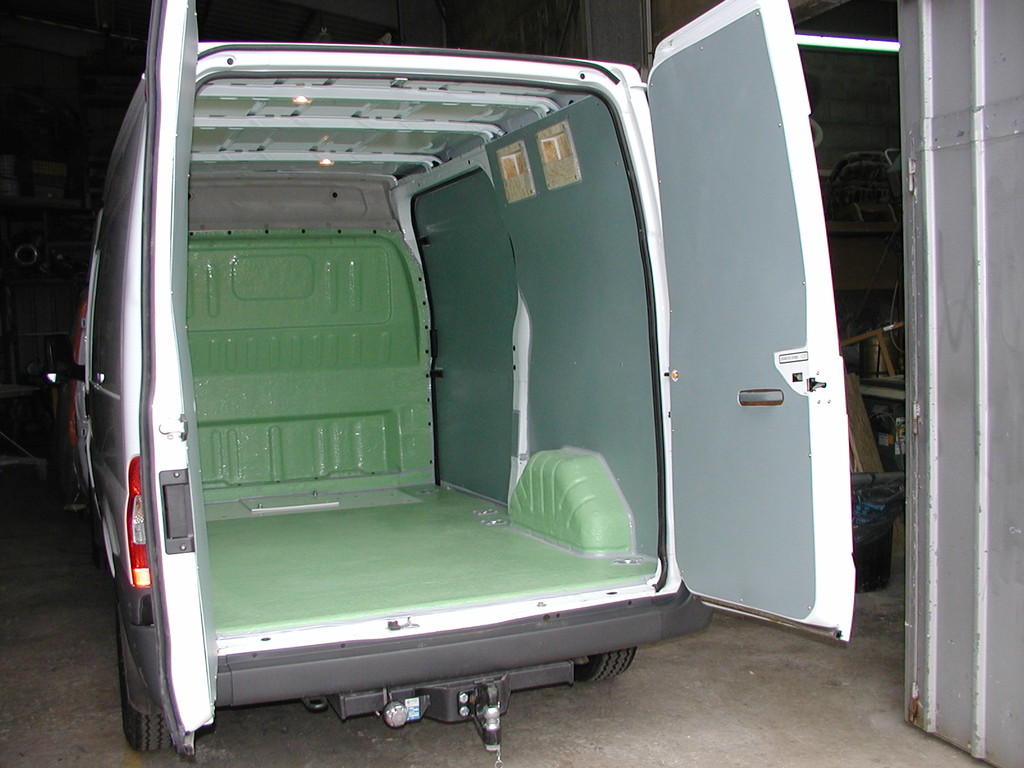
[[873, 560], [877, 501]]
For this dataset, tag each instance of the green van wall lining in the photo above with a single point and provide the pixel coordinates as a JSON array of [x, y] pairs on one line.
[[568, 497], [309, 355]]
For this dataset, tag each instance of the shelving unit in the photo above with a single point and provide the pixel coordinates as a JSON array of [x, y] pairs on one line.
[[43, 268]]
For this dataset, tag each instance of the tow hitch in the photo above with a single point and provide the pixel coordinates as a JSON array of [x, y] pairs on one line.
[[487, 717], [482, 700]]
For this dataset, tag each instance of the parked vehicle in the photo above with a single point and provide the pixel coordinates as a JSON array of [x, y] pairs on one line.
[[417, 377]]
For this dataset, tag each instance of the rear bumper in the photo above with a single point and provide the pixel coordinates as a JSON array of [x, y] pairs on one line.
[[250, 678]]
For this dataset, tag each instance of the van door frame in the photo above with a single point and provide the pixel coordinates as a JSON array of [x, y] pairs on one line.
[[178, 563]]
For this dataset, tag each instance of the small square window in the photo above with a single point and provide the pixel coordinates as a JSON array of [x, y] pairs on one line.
[[515, 172], [558, 155]]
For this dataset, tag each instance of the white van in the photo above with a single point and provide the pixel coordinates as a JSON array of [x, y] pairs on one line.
[[417, 377]]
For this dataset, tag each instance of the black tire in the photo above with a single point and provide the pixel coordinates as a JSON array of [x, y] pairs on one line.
[[604, 666], [141, 718]]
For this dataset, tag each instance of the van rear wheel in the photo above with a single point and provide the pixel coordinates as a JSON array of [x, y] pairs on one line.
[[141, 718], [604, 666]]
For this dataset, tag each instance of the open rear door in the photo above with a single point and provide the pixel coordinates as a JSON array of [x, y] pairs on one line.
[[760, 461], [175, 558]]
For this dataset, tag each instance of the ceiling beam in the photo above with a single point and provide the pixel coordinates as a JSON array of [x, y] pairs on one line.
[[318, 157], [394, 94], [327, 123]]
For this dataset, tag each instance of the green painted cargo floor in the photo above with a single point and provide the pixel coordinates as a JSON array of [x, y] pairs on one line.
[[291, 570]]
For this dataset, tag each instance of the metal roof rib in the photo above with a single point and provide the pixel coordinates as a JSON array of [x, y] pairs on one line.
[[402, 125]]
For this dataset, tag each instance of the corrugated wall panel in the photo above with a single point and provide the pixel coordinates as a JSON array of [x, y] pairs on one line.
[[963, 118]]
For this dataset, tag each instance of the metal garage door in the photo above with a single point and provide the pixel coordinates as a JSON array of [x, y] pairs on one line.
[[963, 117]]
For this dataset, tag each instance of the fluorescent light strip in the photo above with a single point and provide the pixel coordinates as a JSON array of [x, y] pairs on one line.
[[848, 43]]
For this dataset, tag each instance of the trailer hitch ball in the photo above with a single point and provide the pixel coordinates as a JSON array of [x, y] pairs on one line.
[[395, 714], [491, 719], [487, 716]]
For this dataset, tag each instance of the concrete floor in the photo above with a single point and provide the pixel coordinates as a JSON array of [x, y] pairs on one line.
[[742, 693]]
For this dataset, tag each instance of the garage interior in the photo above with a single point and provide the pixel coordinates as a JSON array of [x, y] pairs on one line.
[[742, 693]]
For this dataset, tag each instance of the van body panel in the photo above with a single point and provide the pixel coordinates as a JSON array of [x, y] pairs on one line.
[[765, 487], [473, 357], [112, 323]]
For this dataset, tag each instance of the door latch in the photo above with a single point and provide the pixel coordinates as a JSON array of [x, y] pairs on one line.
[[814, 384], [174, 429]]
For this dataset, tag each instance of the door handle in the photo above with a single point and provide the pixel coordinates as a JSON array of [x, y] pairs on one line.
[[179, 535], [760, 397]]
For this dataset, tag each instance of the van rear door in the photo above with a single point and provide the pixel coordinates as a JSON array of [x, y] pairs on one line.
[[177, 563], [760, 463]]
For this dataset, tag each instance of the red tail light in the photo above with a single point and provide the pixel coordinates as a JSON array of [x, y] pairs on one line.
[[72, 421], [135, 520]]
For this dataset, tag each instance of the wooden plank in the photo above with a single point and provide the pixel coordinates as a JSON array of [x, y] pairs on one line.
[[863, 451]]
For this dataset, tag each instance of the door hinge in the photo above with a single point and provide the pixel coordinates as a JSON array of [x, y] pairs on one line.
[[911, 175], [915, 423]]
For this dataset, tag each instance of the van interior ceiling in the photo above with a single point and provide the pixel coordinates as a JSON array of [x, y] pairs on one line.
[[397, 409]]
